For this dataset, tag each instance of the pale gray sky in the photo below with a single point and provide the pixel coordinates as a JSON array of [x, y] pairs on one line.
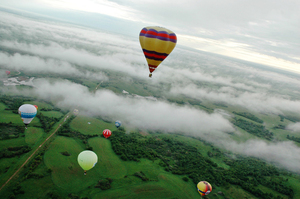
[[265, 32]]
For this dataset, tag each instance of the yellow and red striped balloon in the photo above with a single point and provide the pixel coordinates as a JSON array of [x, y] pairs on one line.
[[204, 188], [157, 43]]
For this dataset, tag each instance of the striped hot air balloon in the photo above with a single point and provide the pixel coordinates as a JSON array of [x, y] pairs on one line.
[[27, 113], [157, 43], [106, 133], [204, 188]]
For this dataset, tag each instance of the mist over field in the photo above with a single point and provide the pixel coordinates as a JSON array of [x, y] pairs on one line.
[[58, 51]]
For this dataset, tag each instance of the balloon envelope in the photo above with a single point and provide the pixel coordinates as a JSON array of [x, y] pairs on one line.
[[118, 123], [204, 188], [7, 72], [106, 133], [87, 159], [36, 107], [157, 43], [75, 112], [27, 113]]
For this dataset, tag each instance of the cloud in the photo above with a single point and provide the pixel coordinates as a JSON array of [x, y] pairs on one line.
[[35, 65], [162, 116], [284, 154], [136, 112], [258, 102], [73, 45], [293, 127]]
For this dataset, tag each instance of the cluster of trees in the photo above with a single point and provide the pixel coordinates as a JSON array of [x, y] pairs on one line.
[[134, 149], [47, 122], [65, 153], [104, 184], [291, 118], [280, 126], [141, 175], [65, 130], [250, 172], [13, 103], [14, 151], [296, 139], [183, 159], [255, 129], [29, 173], [221, 104], [250, 116], [51, 109], [32, 166], [10, 131]]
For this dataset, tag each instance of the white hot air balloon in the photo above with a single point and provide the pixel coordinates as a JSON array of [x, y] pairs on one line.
[[27, 113]]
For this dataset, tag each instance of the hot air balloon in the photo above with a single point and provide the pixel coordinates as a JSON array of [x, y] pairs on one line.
[[87, 159], [204, 188], [118, 123], [75, 112], [27, 113], [7, 72], [106, 133], [36, 107], [157, 43]]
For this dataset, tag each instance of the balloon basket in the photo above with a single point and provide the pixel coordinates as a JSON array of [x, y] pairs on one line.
[[150, 75]]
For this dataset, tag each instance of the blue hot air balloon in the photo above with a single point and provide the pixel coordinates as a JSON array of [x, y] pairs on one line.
[[118, 123]]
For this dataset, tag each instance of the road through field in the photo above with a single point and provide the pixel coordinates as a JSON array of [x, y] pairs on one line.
[[36, 150]]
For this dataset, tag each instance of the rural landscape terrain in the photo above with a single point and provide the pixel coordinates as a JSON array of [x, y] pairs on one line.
[[201, 117]]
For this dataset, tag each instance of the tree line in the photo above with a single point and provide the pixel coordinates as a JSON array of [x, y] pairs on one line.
[[255, 129], [182, 159]]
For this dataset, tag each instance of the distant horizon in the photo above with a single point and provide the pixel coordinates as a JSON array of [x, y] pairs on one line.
[[229, 47]]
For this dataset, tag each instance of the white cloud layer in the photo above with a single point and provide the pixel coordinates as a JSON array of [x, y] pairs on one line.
[[294, 127], [49, 48]]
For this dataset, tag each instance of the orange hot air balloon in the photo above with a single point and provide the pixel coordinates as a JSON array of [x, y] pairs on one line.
[[157, 43], [106, 133]]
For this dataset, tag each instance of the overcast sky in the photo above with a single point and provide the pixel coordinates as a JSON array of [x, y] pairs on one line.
[[264, 32], [35, 46]]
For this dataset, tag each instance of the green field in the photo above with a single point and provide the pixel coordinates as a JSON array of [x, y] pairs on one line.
[[33, 134], [20, 141], [39, 104], [54, 114], [89, 125], [109, 164], [2, 106], [68, 176], [66, 173], [9, 116]]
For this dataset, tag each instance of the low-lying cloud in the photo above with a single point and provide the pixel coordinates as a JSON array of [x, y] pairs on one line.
[[294, 127], [254, 101], [284, 154], [164, 117]]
